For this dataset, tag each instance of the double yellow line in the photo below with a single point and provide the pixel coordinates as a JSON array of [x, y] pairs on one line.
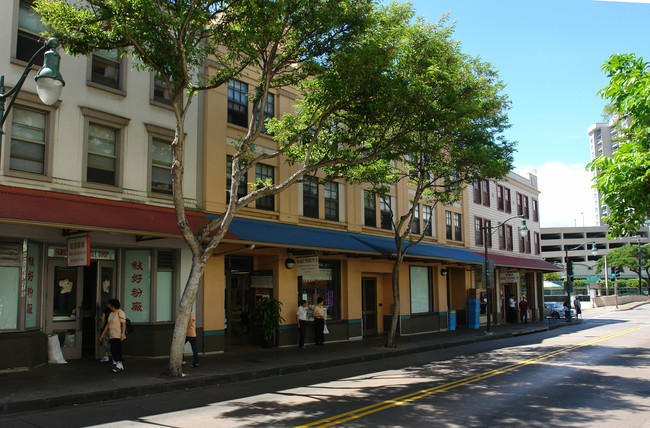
[[358, 413]]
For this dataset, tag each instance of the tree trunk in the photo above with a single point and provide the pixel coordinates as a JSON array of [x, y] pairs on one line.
[[390, 343], [183, 317]]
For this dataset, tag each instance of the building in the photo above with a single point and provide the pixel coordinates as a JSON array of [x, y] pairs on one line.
[[576, 242], [87, 173], [517, 260]]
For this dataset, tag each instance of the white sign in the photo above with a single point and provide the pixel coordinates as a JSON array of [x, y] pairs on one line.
[[79, 251], [509, 276], [307, 266], [94, 254]]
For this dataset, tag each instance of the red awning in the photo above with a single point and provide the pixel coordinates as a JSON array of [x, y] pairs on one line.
[[520, 262], [52, 209]]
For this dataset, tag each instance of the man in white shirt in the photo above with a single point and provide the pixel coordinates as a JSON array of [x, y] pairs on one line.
[[301, 319]]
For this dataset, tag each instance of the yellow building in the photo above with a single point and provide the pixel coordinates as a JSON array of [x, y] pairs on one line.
[[331, 240]]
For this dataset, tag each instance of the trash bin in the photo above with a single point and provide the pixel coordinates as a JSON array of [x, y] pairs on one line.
[[473, 313], [451, 325]]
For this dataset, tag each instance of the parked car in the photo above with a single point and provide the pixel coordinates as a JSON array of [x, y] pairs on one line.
[[555, 310]]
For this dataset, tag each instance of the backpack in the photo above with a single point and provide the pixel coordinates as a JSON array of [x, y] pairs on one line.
[[129, 326]]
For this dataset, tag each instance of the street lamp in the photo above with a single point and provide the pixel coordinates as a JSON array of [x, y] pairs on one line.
[[49, 82], [569, 270], [487, 230]]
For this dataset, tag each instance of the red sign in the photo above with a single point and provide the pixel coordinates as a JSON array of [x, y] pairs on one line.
[[79, 251]]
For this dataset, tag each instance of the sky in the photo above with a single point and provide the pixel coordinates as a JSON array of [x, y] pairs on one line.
[[549, 53]]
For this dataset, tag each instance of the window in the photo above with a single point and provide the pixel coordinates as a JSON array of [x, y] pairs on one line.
[[421, 289], [238, 103], [502, 237], [448, 225], [264, 173], [161, 165], [102, 154], [485, 192], [386, 213], [525, 204], [28, 40], [369, 209], [164, 285], [500, 205], [520, 204], [332, 201], [10, 262], [477, 192], [104, 137], [427, 219], [458, 229], [415, 226], [310, 199], [509, 244], [522, 244], [242, 189], [506, 200], [269, 111], [537, 247], [527, 242], [478, 231], [160, 92], [325, 283], [535, 211], [28, 141], [105, 69]]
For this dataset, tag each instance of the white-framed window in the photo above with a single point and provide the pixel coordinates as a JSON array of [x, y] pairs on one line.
[[332, 204], [265, 172], [29, 141], [160, 149], [28, 35], [421, 285], [160, 94], [238, 103], [107, 70], [103, 147]]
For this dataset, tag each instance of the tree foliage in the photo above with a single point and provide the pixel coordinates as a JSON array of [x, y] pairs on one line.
[[624, 178], [627, 256]]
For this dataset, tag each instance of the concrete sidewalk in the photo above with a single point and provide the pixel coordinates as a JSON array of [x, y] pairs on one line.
[[87, 381]]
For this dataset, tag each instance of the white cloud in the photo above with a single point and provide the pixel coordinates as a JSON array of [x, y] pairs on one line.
[[566, 195]]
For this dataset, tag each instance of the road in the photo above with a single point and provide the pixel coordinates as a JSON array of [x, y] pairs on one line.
[[593, 374]]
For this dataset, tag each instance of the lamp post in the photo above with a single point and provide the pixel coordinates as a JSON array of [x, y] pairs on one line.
[[487, 230], [49, 82], [569, 270]]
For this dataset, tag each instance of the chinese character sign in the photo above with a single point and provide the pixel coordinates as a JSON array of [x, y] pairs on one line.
[[32, 273], [137, 285]]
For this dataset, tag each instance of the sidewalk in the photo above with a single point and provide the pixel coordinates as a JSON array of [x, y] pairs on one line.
[[86, 381]]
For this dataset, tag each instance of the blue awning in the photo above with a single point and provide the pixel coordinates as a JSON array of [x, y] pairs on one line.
[[303, 237]]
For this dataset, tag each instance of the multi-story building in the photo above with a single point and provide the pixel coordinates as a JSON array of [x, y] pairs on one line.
[[577, 242], [603, 140], [90, 172], [518, 266]]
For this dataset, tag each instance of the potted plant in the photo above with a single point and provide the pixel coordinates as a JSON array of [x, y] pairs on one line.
[[266, 317]]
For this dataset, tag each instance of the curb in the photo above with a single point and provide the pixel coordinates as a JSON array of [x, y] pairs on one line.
[[222, 379]]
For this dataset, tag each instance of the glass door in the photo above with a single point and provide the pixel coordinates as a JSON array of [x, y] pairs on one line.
[[65, 292], [369, 308], [105, 289]]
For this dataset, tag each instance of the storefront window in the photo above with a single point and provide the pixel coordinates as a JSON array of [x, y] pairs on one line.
[[9, 297], [137, 285], [326, 284], [32, 278], [164, 296], [421, 293]]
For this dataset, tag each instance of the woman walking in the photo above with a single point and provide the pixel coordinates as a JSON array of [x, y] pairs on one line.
[[116, 330]]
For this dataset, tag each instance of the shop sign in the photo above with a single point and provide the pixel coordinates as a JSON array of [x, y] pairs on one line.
[[509, 276], [78, 251], [307, 266], [94, 254]]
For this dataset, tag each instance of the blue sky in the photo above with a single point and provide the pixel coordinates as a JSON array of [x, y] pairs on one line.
[[550, 53]]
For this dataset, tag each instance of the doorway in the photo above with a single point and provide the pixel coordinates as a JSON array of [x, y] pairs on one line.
[[75, 299], [369, 306]]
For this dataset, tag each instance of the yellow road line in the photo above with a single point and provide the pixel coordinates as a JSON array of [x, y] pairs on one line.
[[374, 408]]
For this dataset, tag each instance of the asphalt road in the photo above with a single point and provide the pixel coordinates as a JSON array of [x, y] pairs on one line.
[[593, 374]]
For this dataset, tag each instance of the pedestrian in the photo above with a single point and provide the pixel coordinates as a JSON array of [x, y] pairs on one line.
[[190, 336], [567, 309], [116, 329], [578, 306], [301, 319], [105, 341], [319, 322], [523, 310], [512, 309]]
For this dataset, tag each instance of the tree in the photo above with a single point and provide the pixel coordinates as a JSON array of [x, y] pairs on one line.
[[553, 276], [623, 179], [309, 44], [448, 115], [627, 256]]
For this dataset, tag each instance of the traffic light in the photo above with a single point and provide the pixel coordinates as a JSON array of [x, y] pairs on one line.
[[613, 270], [619, 271], [569, 269]]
